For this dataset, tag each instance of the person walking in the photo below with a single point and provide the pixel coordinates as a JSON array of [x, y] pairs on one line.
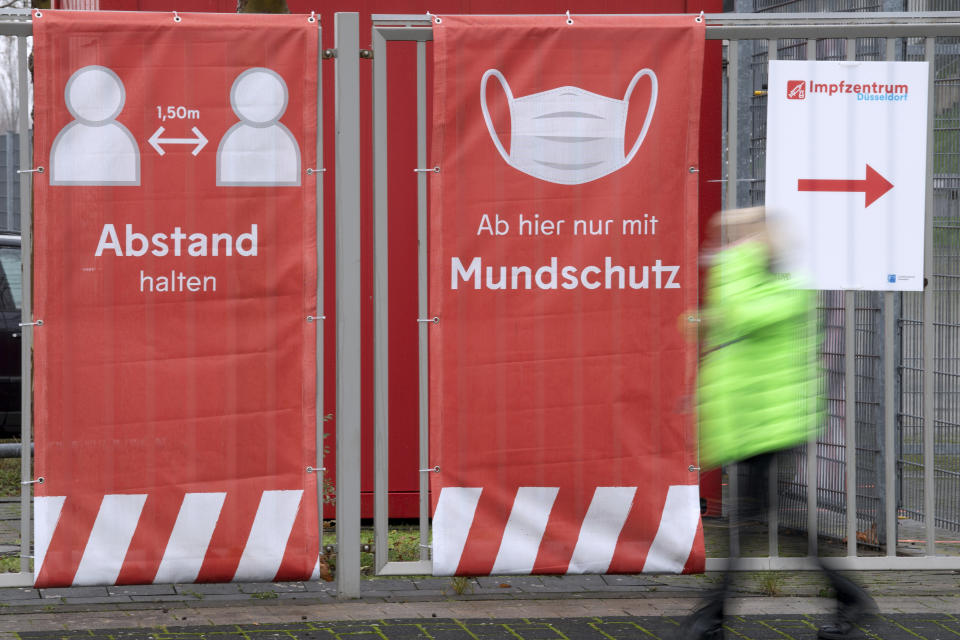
[[759, 391]]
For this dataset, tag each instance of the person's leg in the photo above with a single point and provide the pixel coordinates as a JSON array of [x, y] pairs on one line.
[[706, 622], [853, 603]]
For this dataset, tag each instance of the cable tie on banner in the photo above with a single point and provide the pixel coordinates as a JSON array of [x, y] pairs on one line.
[[435, 17], [435, 469], [37, 481], [434, 319], [569, 19], [693, 170], [313, 17], [699, 18], [38, 323], [311, 171], [425, 546], [312, 318], [692, 468], [693, 319], [37, 170], [315, 469], [38, 14], [176, 17], [431, 170]]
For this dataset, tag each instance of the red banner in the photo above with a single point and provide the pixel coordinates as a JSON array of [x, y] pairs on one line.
[[175, 267], [563, 245]]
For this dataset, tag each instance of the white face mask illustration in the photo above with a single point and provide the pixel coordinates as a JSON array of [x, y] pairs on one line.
[[568, 135]]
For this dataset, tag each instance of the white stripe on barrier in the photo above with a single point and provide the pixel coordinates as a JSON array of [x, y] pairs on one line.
[[451, 525], [190, 538], [524, 530], [271, 529], [678, 528], [109, 539], [601, 529], [46, 514]]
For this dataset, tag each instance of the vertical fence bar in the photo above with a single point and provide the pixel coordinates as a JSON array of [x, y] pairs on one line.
[[381, 354], [812, 446], [773, 520], [929, 487], [347, 82], [731, 203], [889, 407], [423, 335], [318, 393], [850, 389], [26, 333]]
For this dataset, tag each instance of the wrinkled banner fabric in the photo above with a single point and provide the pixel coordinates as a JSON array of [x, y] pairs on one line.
[[563, 265], [175, 266]]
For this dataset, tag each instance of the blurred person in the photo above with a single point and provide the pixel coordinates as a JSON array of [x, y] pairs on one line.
[[758, 390]]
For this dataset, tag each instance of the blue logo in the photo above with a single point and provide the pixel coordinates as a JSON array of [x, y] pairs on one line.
[[892, 278]]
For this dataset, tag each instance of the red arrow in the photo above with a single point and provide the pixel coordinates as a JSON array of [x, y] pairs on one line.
[[873, 186]]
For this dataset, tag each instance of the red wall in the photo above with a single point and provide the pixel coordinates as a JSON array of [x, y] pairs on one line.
[[403, 414]]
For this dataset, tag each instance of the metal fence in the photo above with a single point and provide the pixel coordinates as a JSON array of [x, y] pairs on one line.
[[9, 181], [892, 441]]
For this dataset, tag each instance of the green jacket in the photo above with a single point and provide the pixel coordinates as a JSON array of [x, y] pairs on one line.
[[759, 377]]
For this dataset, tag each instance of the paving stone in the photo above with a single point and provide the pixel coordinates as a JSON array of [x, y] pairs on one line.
[[74, 592], [142, 590], [387, 584], [208, 588], [276, 587], [10, 594]]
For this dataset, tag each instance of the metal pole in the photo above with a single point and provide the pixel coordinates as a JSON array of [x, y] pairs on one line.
[[381, 320], [26, 312], [347, 82], [929, 486], [889, 408], [733, 50], [850, 389], [773, 520], [812, 445], [423, 329], [318, 393]]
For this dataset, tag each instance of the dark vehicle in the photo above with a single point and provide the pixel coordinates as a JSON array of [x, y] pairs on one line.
[[11, 297]]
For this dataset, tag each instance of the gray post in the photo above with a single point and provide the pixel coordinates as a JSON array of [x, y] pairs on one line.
[[813, 447], [318, 392], [26, 335], [929, 348], [889, 407], [850, 390], [381, 319], [347, 83], [733, 52]]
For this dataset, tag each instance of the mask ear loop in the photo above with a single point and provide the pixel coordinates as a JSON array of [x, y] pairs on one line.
[[486, 114], [653, 104]]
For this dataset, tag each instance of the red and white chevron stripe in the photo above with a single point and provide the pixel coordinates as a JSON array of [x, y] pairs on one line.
[[201, 544], [599, 531]]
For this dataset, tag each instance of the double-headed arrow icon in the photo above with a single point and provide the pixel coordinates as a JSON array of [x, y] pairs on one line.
[[873, 186], [155, 141]]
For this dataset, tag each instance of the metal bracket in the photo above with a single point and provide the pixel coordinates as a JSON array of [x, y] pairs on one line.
[[38, 323], [434, 320], [435, 469], [329, 53]]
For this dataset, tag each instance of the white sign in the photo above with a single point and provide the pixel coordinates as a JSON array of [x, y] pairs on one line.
[[846, 167]]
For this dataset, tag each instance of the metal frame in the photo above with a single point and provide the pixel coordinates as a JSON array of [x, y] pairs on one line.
[[18, 23], [732, 28]]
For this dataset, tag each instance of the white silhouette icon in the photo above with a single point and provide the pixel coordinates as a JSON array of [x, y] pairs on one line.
[[568, 135], [258, 151], [94, 149]]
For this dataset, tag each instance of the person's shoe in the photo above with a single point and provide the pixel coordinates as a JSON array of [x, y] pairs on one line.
[[705, 623], [838, 630]]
